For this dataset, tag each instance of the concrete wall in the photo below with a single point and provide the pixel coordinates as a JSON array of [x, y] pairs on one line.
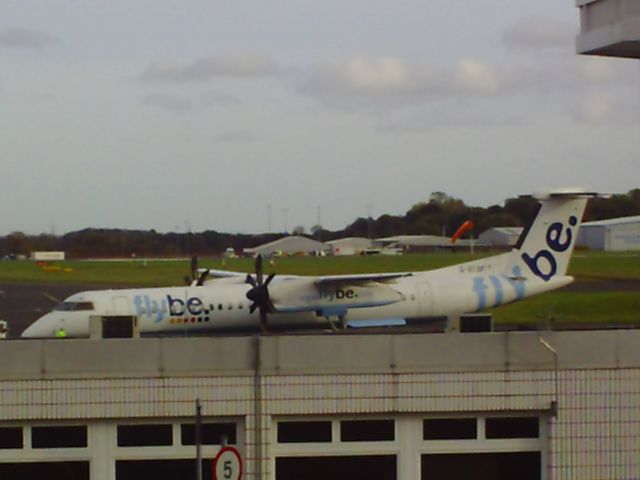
[[314, 354]]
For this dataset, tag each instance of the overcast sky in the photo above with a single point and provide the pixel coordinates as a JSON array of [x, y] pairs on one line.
[[209, 114]]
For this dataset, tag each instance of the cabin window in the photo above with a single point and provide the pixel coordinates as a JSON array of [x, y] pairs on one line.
[[74, 306], [84, 306], [64, 307]]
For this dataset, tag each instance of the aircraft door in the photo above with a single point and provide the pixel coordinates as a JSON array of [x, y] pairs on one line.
[[121, 306]]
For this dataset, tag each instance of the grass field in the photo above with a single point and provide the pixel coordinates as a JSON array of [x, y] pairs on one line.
[[578, 305]]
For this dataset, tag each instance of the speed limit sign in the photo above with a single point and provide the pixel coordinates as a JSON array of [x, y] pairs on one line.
[[227, 465]]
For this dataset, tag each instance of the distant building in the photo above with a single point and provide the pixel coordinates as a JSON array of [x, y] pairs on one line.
[[615, 234], [47, 256], [500, 236], [292, 245], [350, 245], [415, 242], [422, 243]]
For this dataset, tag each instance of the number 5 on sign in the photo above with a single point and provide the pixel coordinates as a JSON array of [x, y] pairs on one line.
[[227, 465]]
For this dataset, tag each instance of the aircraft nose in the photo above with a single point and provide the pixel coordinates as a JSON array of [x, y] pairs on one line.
[[41, 328]]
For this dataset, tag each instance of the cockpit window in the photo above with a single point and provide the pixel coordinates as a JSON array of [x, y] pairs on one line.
[[74, 306]]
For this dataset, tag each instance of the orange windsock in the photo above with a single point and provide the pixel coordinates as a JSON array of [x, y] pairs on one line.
[[466, 226]]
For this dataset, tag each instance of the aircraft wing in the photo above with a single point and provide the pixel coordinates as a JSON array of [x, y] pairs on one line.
[[359, 279], [230, 276], [213, 273], [334, 296]]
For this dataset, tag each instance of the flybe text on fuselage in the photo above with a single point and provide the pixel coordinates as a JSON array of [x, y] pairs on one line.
[[169, 306]]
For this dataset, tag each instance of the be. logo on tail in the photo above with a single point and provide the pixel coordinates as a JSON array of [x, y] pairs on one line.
[[544, 264]]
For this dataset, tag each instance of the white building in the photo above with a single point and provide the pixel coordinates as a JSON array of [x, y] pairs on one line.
[[550, 406], [500, 236], [416, 242], [615, 234], [290, 245], [349, 245]]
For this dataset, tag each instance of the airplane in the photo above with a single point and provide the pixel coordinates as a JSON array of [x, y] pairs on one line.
[[219, 300]]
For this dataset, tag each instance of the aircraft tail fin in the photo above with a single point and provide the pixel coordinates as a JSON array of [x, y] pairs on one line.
[[545, 246]]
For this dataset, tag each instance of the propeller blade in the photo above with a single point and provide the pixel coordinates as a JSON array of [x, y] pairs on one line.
[[203, 276], [194, 267], [269, 278], [259, 269], [51, 297], [259, 293]]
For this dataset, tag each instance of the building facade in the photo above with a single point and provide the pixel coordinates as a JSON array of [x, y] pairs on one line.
[[500, 236], [289, 245], [609, 28], [612, 235], [556, 405]]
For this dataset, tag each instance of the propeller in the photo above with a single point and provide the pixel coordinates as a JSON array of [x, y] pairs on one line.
[[51, 297], [195, 279], [259, 293]]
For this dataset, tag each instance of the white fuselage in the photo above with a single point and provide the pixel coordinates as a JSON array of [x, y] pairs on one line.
[[225, 307]]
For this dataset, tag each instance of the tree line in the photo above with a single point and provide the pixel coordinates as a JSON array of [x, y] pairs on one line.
[[440, 214]]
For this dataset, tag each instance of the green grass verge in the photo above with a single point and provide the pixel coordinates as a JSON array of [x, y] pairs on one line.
[[567, 308], [171, 272], [606, 265]]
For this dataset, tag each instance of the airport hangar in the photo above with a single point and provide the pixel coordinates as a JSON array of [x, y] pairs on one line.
[[496, 405]]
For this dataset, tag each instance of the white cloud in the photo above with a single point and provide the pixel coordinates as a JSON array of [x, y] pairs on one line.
[[25, 38], [538, 32], [391, 83], [388, 80], [475, 77], [205, 69], [379, 76]]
